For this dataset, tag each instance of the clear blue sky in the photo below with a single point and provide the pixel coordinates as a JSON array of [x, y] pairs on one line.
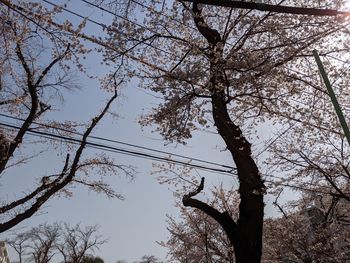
[[134, 225]]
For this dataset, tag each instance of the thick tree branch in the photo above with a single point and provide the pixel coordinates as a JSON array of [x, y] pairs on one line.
[[35, 102], [212, 35], [223, 218], [34, 193], [33, 107]]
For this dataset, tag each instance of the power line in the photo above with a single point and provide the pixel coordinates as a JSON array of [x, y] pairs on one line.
[[178, 21], [301, 188], [76, 14], [121, 150], [19, 10], [107, 148], [104, 26], [136, 146], [119, 16], [122, 143], [105, 45], [162, 14]]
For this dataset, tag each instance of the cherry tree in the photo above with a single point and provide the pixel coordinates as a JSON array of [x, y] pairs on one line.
[[232, 70], [312, 229], [36, 71], [229, 71], [324, 235]]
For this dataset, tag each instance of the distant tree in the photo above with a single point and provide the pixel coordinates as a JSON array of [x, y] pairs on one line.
[[91, 259], [57, 243], [318, 230], [149, 259]]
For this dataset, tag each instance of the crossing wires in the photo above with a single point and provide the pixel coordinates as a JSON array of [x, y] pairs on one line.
[[148, 153]]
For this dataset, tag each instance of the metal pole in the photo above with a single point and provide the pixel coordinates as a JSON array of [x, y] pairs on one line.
[[255, 5], [332, 95]]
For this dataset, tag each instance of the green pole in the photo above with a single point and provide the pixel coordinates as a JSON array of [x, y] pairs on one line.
[[332, 95]]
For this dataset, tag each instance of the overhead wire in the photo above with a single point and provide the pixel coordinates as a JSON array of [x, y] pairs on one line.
[[148, 8], [152, 10], [158, 13], [107, 148], [76, 14], [119, 16], [181, 58], [272, 140], [302, 188], [122, 143], [121, 150], [104, 27], [20, 12], [132, 145], [98, 41]]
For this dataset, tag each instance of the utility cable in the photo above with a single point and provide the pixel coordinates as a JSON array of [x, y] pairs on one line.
[[122, 143], [133, 145], [120, 150], [119, 16], [104, 26], [155, 158]]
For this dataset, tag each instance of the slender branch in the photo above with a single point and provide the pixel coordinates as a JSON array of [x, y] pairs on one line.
[[181, 60], [48, 68], [275, 203], [34, 193], [34, 106]]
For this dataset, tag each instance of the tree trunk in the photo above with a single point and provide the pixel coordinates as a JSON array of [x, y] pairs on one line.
[[248, 234], [245, 234]]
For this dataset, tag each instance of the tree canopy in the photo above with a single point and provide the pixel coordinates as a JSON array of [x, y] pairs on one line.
[[36, 72]]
